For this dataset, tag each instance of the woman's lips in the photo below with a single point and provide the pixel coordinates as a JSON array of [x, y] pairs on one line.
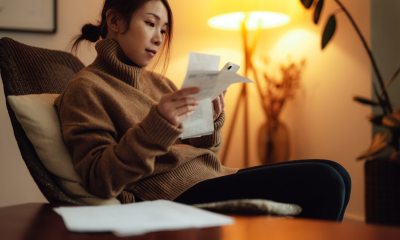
[[151, 52]]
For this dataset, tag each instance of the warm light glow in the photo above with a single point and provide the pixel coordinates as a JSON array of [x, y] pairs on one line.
[[297, 43], [254, 20]]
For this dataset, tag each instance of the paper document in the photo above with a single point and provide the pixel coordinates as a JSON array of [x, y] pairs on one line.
[[202, 72], [138, 218]]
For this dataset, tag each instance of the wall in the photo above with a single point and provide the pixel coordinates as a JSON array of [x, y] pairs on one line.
[[322, 119], [385, 41]]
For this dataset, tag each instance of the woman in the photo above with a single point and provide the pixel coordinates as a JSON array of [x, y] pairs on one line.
[[121, 124]]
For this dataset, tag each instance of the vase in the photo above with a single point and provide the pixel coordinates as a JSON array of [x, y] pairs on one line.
[[273, 142], [382, 191]]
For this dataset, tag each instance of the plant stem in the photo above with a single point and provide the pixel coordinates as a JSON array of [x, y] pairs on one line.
[[370, 55], [379, 97], [393, 77]]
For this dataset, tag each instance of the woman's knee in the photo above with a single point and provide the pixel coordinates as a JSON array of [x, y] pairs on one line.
[[343, 174], [340, 170], [334, 192]]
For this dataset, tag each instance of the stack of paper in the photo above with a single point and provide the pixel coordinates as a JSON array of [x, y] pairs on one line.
[[138, 218], [202, 72]]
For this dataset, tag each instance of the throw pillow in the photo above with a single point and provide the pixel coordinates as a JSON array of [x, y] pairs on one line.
[[37, 115]]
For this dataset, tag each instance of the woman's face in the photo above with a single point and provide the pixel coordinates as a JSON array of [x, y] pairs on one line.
[[146, 33]]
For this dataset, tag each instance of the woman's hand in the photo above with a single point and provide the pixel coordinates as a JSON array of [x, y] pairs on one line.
[[218, 104], [178, 106]]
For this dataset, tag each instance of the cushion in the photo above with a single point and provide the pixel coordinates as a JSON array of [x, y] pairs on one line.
[[252, 207], [37, 115]]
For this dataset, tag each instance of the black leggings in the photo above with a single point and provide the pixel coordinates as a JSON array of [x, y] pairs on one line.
[[321, 187]]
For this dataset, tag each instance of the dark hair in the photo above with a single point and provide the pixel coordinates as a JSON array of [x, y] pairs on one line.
[[125, 8]]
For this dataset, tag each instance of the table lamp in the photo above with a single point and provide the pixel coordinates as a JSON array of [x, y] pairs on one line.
[[245, 16]]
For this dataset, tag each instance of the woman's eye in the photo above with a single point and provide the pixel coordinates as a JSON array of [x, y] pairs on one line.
[[151, 24], [163, 32]]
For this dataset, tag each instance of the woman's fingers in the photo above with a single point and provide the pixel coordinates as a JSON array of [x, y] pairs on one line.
[[177, 106], [178, 114], [183, 93], [218, 104], [222, 101], [188, 101], [185, 109]]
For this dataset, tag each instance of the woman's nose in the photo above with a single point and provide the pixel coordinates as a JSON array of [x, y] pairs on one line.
[[157, 38]]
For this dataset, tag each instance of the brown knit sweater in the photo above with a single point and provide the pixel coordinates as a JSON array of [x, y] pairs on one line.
[[119, 143]]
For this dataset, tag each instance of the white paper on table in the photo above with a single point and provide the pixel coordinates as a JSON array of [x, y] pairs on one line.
[[139, 218], [202, 72]]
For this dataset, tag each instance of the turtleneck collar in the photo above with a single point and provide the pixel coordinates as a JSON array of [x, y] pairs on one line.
[[111, 59]]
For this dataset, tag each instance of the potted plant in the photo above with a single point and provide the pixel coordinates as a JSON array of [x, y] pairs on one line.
[[273, 136], [382, 158]]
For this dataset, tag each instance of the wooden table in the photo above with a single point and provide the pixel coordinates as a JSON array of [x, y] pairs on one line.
[[38, 221]]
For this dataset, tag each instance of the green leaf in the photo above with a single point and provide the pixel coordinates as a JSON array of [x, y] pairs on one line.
[[377, 119], [307, 3], [392, 120], [329, 31], [381, 101], [379, 143], [317, 11], [365, 101]]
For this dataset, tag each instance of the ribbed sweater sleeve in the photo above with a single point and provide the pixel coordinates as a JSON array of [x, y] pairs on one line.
[[105, 164]]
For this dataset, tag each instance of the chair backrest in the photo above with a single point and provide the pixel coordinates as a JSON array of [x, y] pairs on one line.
[[32, 70]]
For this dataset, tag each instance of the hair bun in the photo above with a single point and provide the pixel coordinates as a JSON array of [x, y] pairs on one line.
[[91, 32]]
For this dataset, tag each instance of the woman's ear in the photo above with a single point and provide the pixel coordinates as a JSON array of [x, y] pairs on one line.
[[114, 21]]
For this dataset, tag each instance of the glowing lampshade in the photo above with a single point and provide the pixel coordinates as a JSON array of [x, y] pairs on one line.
[[255, 20], [256, 14]]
